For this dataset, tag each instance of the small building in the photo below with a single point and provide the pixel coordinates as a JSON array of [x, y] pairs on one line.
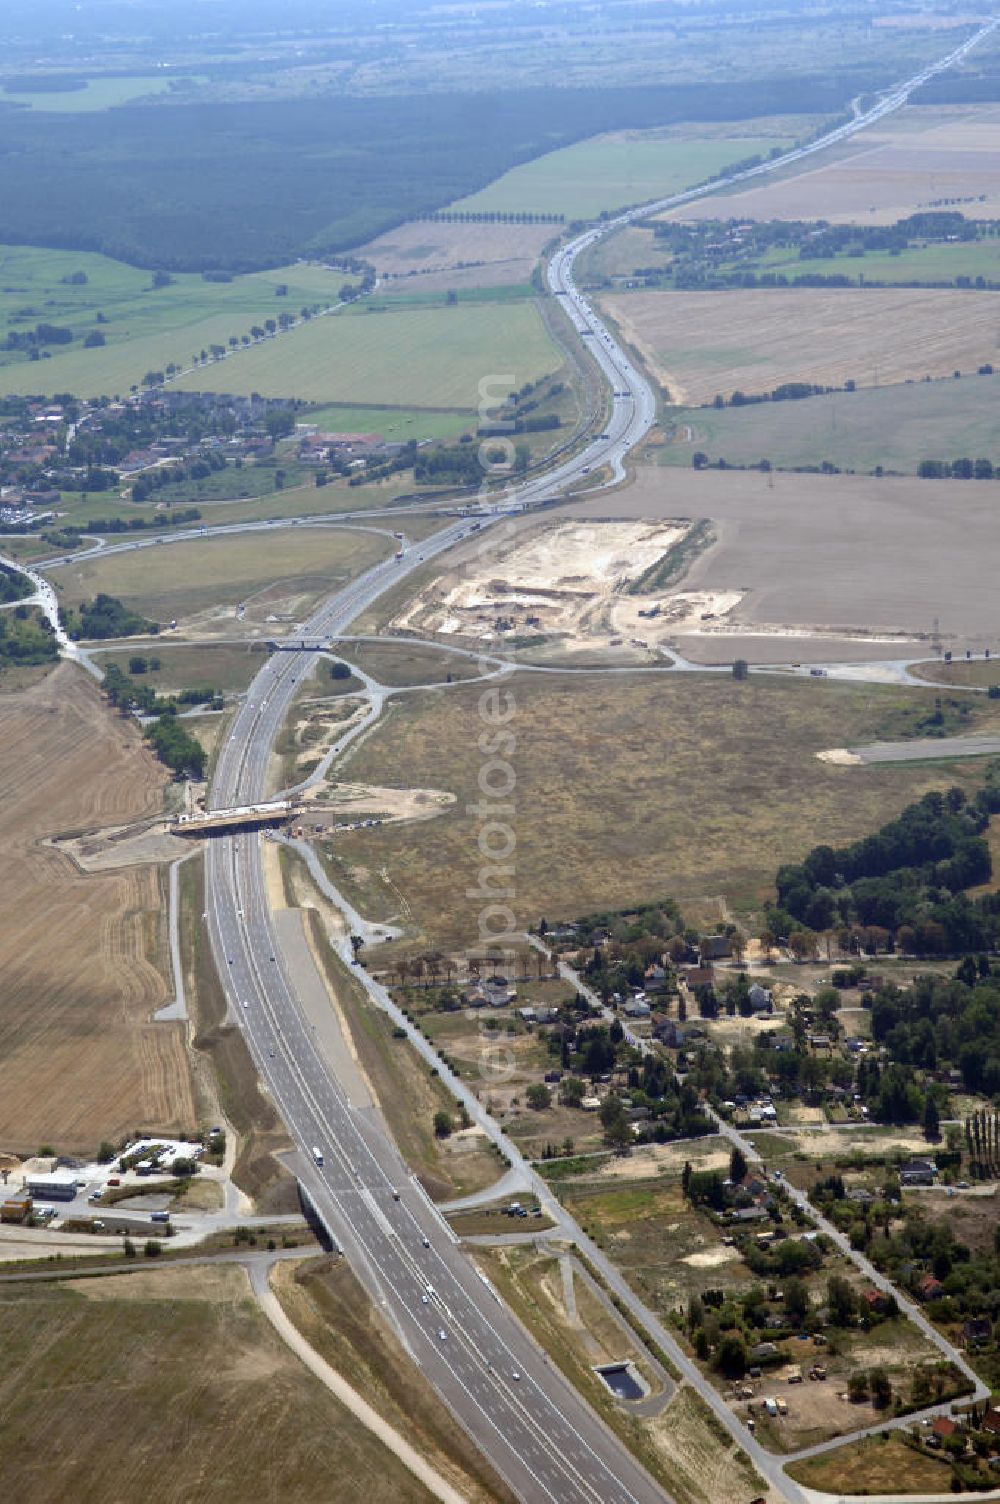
[[991, 1420], [636, 1007], [918, 1172], [943, 1426], [715, 948], [700, 976], [930, 1288], [59, 1186], [759, 999], [979, 1329], [590, 1104]]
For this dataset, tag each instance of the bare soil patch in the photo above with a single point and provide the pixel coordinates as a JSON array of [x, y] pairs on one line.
[[699, 344], [567, 581], [83, 957], [842, 556]]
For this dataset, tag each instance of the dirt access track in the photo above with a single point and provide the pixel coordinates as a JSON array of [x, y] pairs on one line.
[[80, 955], [923, 157]]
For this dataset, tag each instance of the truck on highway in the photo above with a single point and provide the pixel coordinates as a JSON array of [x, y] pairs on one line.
[[317, 1153]]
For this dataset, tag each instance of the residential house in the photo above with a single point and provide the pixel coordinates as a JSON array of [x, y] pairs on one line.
[[759, 999], [929, 1288], [918, 1172], [637, 1007], [715, 948]]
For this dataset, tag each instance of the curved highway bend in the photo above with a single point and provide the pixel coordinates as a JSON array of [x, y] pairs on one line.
[[534, 1428]]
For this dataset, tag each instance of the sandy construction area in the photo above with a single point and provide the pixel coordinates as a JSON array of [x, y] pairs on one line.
[[847, 555], [80, 955], [430, 255], [699, 344], [925, 157], [563, 578]]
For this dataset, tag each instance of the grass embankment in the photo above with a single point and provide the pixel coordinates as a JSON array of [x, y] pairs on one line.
[[407, 1092], [333, 1313], [234, 1082]]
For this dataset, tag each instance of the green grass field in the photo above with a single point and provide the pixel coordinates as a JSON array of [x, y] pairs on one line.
[[928, 263], [427, 357], [892, 426], [184, 579], [171, 1382], [146, 328], [96, 94], [227, 669], [608, 172], [397, 424]]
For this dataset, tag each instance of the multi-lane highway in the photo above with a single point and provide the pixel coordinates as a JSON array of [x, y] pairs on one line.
[[537, 1432], [534, 1428]]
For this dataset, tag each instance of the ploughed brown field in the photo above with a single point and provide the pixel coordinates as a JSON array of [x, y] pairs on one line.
[[700, 344], [80, 956]]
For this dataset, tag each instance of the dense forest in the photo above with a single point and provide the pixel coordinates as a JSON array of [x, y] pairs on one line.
[[105, 617], [25, 638], [14, 586], [239, 186], [907, 879]]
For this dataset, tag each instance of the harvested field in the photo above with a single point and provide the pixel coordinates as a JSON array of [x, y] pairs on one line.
[[422, 254], [923, 157], [243, 585], [627, 789], [176, 1387], [698, 344], [83, 957], [809, 552]]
